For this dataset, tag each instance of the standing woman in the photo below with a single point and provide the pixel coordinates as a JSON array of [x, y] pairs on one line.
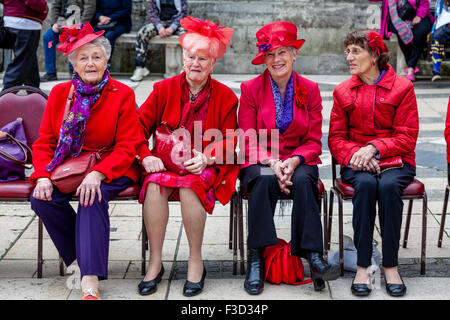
[[102, 115], [290, 106], [189, 98], [412, 31], [374, 117]]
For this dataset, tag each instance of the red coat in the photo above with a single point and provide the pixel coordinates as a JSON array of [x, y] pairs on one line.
[[384, 115], [113, 121], [164, 105], [257, 111], [447, 131]]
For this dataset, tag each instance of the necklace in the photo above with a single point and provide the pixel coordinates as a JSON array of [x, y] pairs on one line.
[[193, 96]]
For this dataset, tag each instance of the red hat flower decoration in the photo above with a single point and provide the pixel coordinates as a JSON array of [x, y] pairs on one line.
[[376, 43], [72, 38]]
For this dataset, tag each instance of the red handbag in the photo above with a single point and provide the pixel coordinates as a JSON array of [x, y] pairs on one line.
[[281, 266], [68, 175], [173, 149], [390, 163]]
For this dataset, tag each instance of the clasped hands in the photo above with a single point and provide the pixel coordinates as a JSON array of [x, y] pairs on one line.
[[363, 160], [284, 171], [195, 165]]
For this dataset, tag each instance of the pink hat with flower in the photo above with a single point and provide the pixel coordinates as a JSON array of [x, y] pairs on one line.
[[72, 38]]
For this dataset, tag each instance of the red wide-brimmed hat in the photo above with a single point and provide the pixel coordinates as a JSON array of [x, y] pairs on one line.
[[72, 38], [276, 35]]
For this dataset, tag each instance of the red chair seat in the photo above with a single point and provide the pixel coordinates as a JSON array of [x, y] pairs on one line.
[[130, 191], [16, 189], [413, 189]]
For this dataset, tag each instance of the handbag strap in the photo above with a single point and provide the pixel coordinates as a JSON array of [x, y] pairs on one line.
[[25, 149], [287, 251], [69, 101]]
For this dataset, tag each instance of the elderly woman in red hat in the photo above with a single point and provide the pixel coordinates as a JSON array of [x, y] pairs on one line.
[[198, 106], [374, 126], [285, 109], [101, 114]]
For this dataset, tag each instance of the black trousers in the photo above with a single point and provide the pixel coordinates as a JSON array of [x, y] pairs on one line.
[[413, 50], [387, 189], [23, 70], [306, 227]]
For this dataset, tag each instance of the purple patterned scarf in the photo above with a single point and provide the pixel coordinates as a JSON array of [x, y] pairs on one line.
[[71, 135], [284, 109]]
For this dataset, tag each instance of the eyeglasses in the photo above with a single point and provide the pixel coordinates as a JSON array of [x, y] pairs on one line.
[[354, 52]]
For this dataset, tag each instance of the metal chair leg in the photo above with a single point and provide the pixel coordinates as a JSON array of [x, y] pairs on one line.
[[325, 225], [408, 222], [143, 245], [39, 257], [230, 236], [235, 233], [240, 212], [330, 218], [424, 234], [341, 234], [444, 213]]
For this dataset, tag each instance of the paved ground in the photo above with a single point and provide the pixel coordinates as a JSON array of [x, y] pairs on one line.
[[18, 237]]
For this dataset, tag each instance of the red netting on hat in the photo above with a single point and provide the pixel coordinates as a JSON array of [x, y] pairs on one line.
[[210, 33]]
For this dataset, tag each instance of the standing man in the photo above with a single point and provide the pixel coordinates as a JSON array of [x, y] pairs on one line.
[[63, 13], [164, 16], [23, 19]]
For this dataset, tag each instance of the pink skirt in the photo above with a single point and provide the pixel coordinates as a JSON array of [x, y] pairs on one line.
[[201, 184]]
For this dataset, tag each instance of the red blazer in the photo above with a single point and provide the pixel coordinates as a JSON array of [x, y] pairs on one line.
[[257, 111], [384, 115], [113, 122], [447, 131], [164, 105]]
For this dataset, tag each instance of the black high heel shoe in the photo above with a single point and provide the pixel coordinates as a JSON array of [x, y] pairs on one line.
[[148, 287], [395, 289], [191, 289], [320, 269]]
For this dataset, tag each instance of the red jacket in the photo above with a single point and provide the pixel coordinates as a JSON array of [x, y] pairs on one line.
[[113, 122], [30, 9], [164, 105], [384, 115], [257, 111], [447, 130]]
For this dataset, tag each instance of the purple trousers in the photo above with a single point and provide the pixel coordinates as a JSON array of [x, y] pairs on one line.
[[83, 235]]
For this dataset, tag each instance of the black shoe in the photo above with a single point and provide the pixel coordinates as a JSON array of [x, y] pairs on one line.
[[360, 289], [319, 284], [49, 77], [395, 289], [320, 269], [191, 289], [254, 278], [149, 287]]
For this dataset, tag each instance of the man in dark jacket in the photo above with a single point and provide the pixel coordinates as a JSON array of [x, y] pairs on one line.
[[113, 16], [63, 13], [23, 19]]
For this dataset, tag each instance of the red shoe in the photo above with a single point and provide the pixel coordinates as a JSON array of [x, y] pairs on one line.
[[90, 294]]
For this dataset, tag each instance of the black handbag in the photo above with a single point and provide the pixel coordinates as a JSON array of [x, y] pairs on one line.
[[407, 12], [107, 27], [6, 38]]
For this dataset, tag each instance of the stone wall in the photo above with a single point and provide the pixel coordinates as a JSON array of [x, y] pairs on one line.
[[323, 23]]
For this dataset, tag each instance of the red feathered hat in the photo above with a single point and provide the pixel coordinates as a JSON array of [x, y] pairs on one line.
[[208, 29], [72, 38], [276, 35]]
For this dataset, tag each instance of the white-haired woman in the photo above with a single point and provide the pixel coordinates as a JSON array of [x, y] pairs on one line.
[[179, 102], [102, 115]]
